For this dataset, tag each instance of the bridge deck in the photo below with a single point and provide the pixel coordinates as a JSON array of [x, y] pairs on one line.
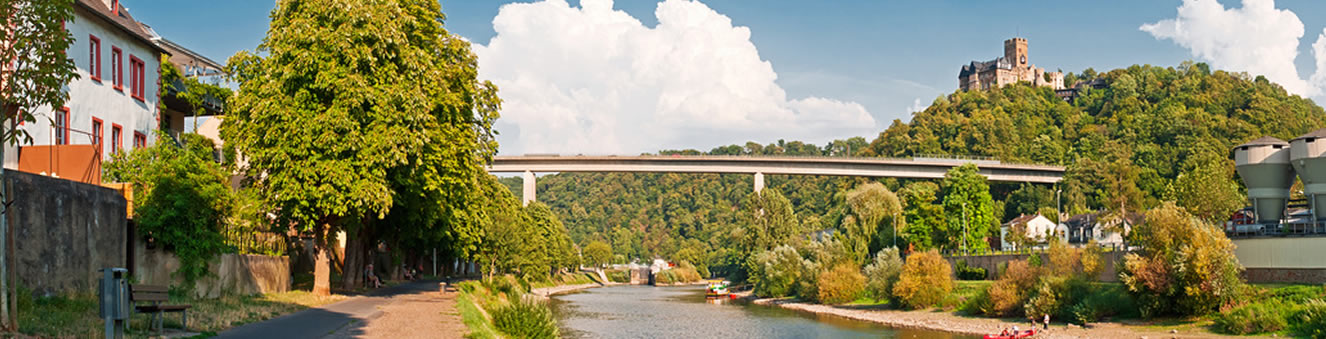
[[867, 167]]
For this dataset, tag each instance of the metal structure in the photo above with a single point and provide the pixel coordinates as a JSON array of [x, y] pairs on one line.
[[1264, 166], [1307, 153], [114, 296]]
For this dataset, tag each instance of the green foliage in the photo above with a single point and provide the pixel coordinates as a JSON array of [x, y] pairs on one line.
[[182, 199], [1010, 293], [769, 221], [968, 209], [618, 276], [683, 273], [882, 273], [190, 90], [965, 272], [871, 205], [841, 284], [529, 241], [1186, 267], [37, 69], [1310, 320], [775, 273], [925, 280], [526, 318], [597, 253], [924, 217], [1260, 317]]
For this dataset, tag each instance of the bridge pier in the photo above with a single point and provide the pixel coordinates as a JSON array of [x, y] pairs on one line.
[[759, 182], [527, 189]]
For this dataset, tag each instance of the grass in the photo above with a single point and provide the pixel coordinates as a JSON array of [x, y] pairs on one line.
[[475, 318], [76, 315], [579, 278]]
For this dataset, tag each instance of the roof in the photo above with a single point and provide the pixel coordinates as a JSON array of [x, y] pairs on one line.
[[190, 62], [1264, 141], [1321, 133], [1021, 219], [977, 66], [122, 20]]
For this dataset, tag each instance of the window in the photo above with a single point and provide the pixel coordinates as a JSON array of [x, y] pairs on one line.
[[117, 69], [117, 141], [94, 57], [62, 126], [136, 78], [140, 140], [96, 134]]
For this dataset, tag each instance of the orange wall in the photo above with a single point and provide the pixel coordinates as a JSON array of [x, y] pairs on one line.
[[72, 162]]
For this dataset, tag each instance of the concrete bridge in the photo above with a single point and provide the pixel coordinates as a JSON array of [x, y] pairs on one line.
[[918, 168]]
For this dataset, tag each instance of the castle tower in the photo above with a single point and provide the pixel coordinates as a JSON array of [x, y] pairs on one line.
[[1015, 52]]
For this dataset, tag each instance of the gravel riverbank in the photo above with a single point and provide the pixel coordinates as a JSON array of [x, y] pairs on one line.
[[950, 322]]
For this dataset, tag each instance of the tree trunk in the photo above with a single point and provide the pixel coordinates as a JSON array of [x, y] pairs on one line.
[[354, 260], [321, 269]]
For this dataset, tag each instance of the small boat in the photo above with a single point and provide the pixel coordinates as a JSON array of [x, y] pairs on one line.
[[716, 289], [1014, 335]]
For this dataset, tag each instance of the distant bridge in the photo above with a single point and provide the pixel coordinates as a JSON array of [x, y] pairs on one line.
[[919, 168]]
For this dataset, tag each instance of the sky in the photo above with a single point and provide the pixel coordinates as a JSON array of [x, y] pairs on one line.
[[634, 76]]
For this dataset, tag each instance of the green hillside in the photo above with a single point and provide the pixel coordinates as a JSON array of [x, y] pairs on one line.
[[1152, 134]]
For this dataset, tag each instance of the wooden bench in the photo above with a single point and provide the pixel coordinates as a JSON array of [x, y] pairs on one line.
[[155, 296]]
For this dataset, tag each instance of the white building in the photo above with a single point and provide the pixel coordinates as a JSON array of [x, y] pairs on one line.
[[112, 105], [1038, 229], [1084, 228]]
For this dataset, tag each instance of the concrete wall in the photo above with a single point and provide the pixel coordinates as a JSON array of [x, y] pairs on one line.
[[230, 273], [991, 263], [1283, 260], [63, 232]]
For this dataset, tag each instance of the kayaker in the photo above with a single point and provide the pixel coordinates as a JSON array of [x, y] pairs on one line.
[[1015, 329], [1004, 333]]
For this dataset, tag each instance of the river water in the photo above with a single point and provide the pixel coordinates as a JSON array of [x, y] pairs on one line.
[[683, 312]]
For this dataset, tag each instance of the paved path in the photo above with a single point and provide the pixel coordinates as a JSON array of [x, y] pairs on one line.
[[429, 313], [346, 318]]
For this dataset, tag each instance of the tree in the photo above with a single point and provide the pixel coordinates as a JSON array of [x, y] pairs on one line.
[[925, 279], [33, 77], [183, 197], [882, 273], [1185, 267], [968, 209], [770, 221], [870, 205], [598, 253], [355, 105], [1207, 187], [924, 217]]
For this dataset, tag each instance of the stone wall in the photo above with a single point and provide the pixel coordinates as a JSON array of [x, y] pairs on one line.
[[991, 263], [230, 273], [63, 232]]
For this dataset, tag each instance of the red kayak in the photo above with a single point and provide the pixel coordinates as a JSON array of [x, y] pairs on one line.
[[1018, 335]]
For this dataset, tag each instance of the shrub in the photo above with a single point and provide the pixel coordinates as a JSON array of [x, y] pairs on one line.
[[1010, 292], [1092, 260], [619, 276], [775, 273], [839, 285], [1186, 267], [882, 273], [1310, 319], [1064, 260], [925, 280], [506, 284], [1260, 317], [979, 304], [526, 318], [1298, 294], [969, 272], [686, 273], [1100, 303], [666, 277]]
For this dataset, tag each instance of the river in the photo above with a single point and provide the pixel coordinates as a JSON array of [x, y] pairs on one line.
[[683, 312]]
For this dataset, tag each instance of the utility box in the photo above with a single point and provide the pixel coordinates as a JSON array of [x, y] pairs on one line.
[[114, 295]]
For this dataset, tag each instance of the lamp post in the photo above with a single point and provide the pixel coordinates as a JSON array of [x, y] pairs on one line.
[[964, 228], [1058, 207]]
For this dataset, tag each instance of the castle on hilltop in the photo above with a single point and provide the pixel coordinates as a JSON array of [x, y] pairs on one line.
[[1008, 69]]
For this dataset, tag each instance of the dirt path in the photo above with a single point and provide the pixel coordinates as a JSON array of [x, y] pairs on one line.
[[427, 313]]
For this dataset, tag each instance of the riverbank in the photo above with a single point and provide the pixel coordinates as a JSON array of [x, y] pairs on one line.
[[546, 292], [950, 322]]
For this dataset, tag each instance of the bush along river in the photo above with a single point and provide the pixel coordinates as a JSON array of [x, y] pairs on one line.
[[683, 312]]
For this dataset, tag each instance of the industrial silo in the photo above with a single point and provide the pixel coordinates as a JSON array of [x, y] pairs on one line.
[[1264, 166], [1308, 154]]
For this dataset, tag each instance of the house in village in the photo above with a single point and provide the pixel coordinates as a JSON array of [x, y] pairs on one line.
[[113, 105], [1036, 227], [1083, 228]]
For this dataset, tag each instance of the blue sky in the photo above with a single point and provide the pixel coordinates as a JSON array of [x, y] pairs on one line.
[[870, 61]]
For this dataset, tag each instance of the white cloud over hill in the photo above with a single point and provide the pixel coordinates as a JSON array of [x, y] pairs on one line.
[[595, 80], [1256, 38]]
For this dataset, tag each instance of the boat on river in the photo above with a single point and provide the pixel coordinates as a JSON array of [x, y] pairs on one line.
[[1014, 335], [716, 289]]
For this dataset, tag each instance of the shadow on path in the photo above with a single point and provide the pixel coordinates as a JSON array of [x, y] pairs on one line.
[[346, 316]]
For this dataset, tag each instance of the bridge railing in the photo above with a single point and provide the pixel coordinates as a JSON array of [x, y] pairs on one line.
[[978, 160]]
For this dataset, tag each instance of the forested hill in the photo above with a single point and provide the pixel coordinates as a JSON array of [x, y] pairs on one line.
[[1151, 134]]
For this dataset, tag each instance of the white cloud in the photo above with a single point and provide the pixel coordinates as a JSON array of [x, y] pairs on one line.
[[916, 106], [595, 80], [1256, 38]]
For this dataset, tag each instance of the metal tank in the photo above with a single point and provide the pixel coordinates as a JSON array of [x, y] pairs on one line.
[[1308, 154], [1264, 166]]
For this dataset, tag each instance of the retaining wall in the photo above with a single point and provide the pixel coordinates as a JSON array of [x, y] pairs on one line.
[[63, 231], [992, 262], [242, 274]]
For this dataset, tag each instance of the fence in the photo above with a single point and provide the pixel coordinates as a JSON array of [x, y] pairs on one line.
[[248, 241]]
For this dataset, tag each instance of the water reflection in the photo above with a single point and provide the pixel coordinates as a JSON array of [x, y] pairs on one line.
[[684, 312]]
